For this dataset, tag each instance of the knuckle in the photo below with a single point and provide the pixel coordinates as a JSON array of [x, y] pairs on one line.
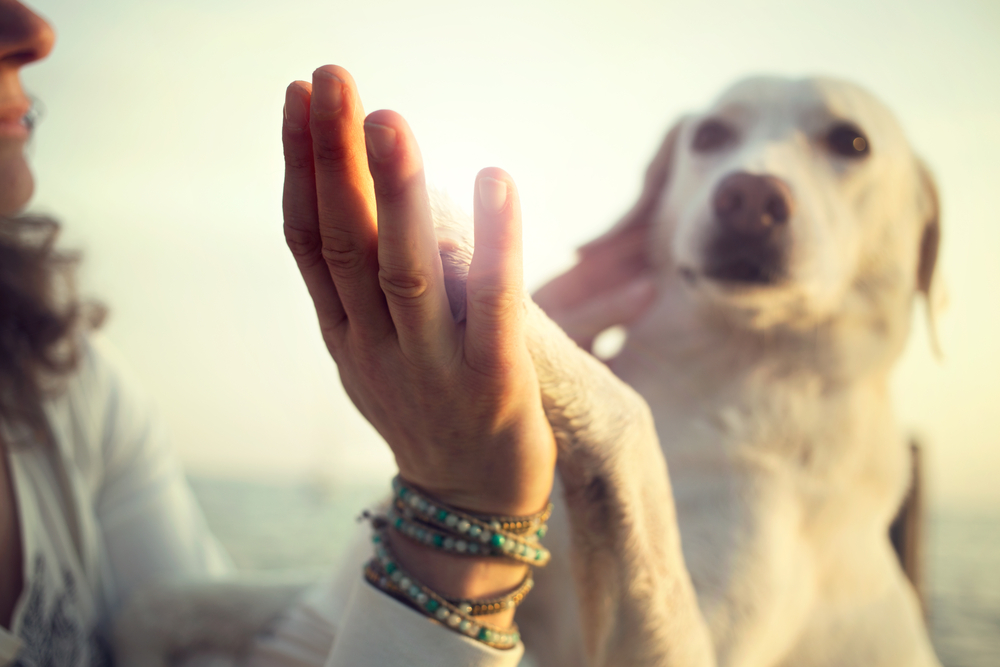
[[333, 155], [403, 284], [297, 159], [302, 243], [497, 302], [344, 257]]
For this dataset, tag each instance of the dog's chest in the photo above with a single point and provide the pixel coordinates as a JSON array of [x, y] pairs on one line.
[[779, 483]]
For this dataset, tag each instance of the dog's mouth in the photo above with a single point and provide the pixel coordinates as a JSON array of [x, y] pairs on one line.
[[736, 274], [736, 262], [743, 272]]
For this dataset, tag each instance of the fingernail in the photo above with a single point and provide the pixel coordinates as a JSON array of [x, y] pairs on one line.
[[295, 111], [328, 91], [492, 194], [381, 140]]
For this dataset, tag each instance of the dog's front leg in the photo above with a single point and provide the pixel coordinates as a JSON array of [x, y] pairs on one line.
[[638, 603]]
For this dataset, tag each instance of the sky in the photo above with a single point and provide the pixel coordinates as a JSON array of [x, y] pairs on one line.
[[160, 152]]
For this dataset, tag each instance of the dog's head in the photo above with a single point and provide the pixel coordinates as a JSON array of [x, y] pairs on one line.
[[788, 204]]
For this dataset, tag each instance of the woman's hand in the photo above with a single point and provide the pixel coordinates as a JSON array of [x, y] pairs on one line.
[[458, 404]]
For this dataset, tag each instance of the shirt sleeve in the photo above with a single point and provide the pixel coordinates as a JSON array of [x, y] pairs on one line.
[[151, 525], [346, 622]]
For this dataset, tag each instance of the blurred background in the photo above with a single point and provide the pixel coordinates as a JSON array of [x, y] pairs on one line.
[[160, 151]]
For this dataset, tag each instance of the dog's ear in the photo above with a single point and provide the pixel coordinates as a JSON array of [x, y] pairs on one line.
[[627, 239], [611, 262], [928, 284]]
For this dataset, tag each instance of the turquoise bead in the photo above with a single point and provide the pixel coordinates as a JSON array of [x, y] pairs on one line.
[[390, 568], [498, 540], [442, 515], [432, 605], [438, 541], [485, 635]]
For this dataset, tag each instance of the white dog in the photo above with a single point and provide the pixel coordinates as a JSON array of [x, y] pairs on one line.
[[788, 231]]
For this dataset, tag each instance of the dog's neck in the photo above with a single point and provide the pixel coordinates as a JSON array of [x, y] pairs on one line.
[[722, 396], [682, 335]]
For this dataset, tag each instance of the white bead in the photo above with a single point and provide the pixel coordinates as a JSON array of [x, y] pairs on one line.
[[461, 546], [430, 510], [396, 576], [449, 543], [473, 548], [508, 545], [405, 583], [464, 625], [442, 614], [422, 599], [463, 526], [454, 620], [413, 501], [451, 521], [474, 531], [485, 536], [465, 609], [472, 630]]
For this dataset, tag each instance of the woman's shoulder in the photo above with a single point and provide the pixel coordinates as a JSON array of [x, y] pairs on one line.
[[100, 412]]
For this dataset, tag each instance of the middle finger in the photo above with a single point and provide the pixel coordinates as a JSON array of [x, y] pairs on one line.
[[346, 200]]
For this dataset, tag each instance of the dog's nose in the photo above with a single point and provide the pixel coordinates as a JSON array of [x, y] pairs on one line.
[[752, 205]]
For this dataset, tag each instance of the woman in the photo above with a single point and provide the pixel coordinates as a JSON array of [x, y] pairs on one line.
[[92, 502]]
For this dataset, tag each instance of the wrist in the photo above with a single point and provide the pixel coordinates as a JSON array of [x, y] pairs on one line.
[[464, 577]]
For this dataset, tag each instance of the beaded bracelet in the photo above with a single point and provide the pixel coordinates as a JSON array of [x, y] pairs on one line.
[[384, 573], [464, 526], [484, 607], [495, 544], [518, 525]]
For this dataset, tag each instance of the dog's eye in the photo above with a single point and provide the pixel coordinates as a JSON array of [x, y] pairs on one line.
[[711, 135], [847, 140]]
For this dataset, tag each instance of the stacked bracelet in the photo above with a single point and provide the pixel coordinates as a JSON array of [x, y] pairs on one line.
[[384, 573], [427, 521]]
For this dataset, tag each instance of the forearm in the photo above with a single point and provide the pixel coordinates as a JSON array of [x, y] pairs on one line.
[[638, 605]]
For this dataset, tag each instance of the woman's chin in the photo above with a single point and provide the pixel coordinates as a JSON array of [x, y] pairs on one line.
[[16, 182]]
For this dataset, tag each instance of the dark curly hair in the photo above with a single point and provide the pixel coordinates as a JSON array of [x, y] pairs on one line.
[[41, 318]]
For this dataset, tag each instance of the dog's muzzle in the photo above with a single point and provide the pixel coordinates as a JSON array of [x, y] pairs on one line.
[[751, 232]]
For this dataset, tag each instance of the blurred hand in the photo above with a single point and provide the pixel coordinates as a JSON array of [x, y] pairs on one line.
[[610, 285], [458, 404]]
